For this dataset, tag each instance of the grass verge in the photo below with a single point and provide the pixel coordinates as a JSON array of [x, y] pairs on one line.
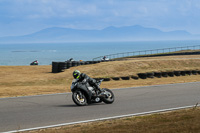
[[181, 121]]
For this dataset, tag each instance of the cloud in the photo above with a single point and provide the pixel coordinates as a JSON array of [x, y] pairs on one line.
[[98, 14]]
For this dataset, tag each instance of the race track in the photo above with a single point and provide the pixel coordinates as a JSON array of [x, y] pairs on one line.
[[38, 111]]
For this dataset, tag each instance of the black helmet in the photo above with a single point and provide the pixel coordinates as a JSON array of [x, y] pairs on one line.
[[76, 74]]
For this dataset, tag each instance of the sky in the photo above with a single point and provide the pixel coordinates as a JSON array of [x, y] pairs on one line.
[[21, 17]]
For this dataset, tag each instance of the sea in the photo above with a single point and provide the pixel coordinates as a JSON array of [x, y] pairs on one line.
[[21, 54]]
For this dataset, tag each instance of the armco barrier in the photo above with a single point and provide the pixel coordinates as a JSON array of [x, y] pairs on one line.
[[154, 52]]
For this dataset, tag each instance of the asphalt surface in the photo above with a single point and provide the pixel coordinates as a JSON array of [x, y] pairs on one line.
[[38, 111]]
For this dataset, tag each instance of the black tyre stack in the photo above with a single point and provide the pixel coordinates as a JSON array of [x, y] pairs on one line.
[[60, 66], [155, 74], [177, 73], [150, 75], [183, 73], [69, 64], [55, 67], [164, 74], [115, 78], [170, 74], [142, 75], [158, 74], [125, 78]]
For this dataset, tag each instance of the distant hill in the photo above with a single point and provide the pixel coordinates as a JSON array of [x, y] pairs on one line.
[[126, 33]]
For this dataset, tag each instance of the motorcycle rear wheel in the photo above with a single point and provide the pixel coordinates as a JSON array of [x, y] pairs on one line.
[[79, 98], [109, 96]]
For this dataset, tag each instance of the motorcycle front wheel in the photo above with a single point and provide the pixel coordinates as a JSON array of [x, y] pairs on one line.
[[79, 98], [108, 96]]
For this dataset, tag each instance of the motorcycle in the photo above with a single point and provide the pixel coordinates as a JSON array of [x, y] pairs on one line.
[[84, 94]]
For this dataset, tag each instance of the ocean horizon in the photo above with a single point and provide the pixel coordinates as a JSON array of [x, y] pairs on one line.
[[23, 54]]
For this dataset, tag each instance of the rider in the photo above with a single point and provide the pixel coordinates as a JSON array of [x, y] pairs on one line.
[[81, 76]]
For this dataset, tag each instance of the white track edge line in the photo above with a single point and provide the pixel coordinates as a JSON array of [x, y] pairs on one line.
[[101, 119]]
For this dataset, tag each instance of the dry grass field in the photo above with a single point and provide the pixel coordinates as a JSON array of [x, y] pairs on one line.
[[35, 80]]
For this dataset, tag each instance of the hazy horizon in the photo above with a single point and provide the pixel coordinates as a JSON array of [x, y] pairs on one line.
[[22, 17]]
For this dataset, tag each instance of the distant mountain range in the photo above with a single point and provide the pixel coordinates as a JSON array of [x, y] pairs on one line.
[[126, 33]]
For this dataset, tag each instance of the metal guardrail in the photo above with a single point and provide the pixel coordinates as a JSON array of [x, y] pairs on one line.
[[147, 52]]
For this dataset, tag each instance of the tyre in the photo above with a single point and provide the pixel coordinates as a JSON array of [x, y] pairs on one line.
[[95, 62], [188, 72], [183, 73], [164, 74], [55, 66], [74, 63], [106, 79], [171, 74], [97, 79], [115, 78], [109, 96], [157, 74], [79, 98], [135, 77], [125, 78], [78, 63], [177, 73], [194, 72], [198, 71], [82, 63], [69, 64], [142, 75], [150, 75], [87, 63], [62, 65]]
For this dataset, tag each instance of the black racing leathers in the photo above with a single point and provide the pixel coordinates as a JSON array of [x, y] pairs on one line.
[[91, 81]]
